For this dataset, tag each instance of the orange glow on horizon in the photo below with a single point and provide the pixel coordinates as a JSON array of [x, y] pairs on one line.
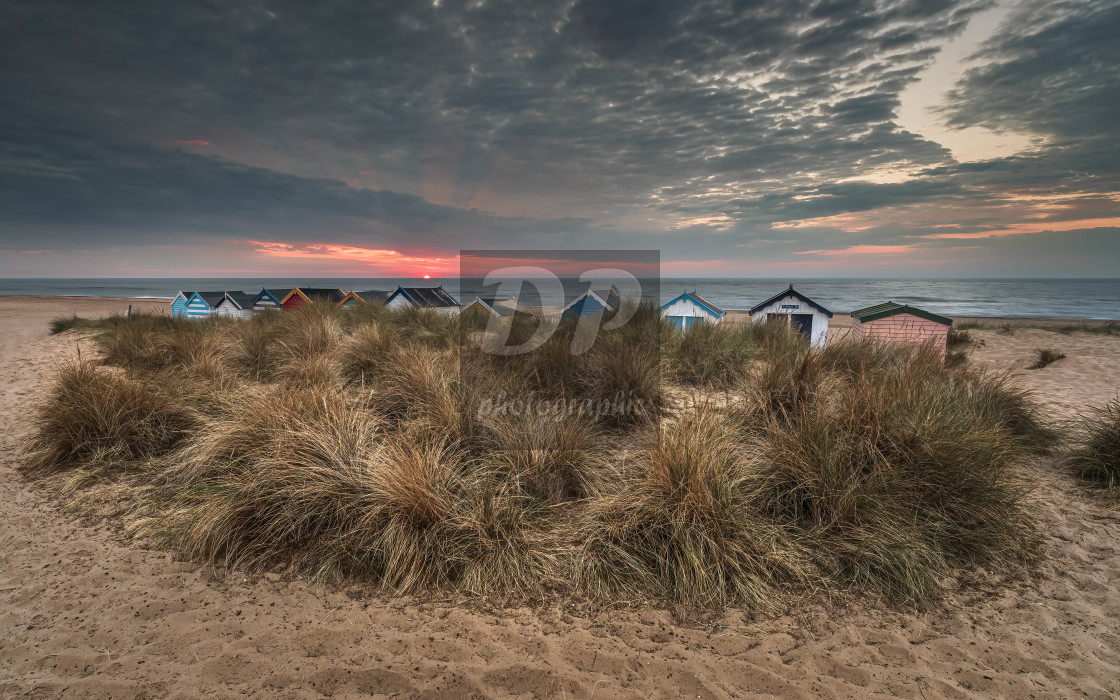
[[384, 261]]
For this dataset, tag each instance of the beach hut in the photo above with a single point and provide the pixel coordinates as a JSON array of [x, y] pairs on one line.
[[269, 299], [235, 305], [350, 300], [901, 322], [305, 295], [807, 316], [202, 304], [179, 304], [372, 296], [493, 306], [435, 298], [690, 309], [591, 303]]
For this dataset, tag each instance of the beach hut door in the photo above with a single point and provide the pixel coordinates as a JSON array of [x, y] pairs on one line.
[[803, 324]]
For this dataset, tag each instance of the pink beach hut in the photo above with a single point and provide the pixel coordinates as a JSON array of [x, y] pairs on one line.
[[901, 322]]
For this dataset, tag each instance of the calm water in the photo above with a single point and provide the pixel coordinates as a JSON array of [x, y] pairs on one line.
[[1066, 298]]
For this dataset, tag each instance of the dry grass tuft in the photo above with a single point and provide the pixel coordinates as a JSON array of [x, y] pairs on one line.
[[1046, 357], [1094, 453], [681, 524], [95, 416]]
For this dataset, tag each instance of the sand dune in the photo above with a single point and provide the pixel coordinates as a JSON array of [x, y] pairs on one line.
[[86, 614]]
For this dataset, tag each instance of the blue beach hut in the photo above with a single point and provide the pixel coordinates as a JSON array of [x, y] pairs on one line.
[[591, 303], [269, 299], [179, 304]]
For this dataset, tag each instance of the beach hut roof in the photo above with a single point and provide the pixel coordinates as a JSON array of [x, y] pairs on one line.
[[699, 301], [794, 293], [276, 295], [240, 299], [427, 297], [611, 303], [317, 294], [374, 295], [890, 308], [211, 298], [504, 307]]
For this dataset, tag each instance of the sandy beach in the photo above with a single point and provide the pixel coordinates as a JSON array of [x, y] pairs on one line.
[[87, 613]]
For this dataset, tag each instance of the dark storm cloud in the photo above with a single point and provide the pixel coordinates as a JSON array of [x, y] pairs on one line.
[[564, 113], [70, 183]]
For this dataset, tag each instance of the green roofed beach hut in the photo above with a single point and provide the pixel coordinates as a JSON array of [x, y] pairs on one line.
[[903, 323]]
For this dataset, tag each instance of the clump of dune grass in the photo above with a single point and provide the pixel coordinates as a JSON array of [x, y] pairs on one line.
[[958, 336], [363, 356], [895, 474], [553, 456], [1094, 453], [709, 354], [96, 416], [333, 496], [1105, 328], [1045, 357], [718, 356], [76, 322], [681, 523], [255, 345], [390, 447]]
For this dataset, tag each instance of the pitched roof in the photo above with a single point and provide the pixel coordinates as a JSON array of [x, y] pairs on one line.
[[324, 294], [794, 293], [275, 294], [700, 301], [503, 307], [241, 299], [613, 299], [427, 297], [890, 308], [374, 295], [211, 298]]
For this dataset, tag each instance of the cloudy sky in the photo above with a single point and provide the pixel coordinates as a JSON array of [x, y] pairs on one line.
[[739, 137]]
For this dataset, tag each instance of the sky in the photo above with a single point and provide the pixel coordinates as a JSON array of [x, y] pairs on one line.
[[888, 138]]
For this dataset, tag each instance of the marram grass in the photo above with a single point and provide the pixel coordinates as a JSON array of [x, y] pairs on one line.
[[340, 445]]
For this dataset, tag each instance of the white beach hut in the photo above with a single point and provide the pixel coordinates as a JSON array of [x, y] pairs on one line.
[[807, 316], [690, 309], [235, 305]]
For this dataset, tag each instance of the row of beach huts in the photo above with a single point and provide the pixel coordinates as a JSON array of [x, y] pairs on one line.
[[886, 321]]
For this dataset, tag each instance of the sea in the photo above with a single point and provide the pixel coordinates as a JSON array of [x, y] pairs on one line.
[[1016, 298]]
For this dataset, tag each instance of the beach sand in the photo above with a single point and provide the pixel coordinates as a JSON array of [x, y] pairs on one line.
[[85, 613]]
